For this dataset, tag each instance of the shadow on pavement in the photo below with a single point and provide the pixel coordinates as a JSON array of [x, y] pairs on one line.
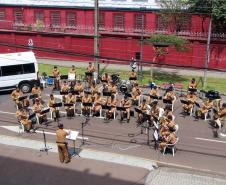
[[15, 172]]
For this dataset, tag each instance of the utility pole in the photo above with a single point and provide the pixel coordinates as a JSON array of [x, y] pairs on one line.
[[207, 53], [141, 48], [96, 36]]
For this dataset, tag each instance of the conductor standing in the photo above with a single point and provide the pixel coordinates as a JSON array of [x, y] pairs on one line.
[[62, 144]]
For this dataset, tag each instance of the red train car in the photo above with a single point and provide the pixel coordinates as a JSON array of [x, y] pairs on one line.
[[65, 30]]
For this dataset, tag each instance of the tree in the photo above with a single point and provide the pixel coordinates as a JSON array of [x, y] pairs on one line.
[[207, 7], [173, 13], [161, 42]]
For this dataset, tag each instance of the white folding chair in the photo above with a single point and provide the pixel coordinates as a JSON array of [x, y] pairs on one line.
[[172, 147], [161, 112], [208, 114], [21, 128]]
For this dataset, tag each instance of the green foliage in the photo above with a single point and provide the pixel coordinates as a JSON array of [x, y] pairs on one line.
[[173, 40], [29, 27], [207, 7], [39, 25]]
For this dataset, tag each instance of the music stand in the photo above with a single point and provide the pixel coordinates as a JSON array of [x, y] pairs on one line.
[[84, 123], [132, 78], [87, 92], [197, 104], [167, 101], [32, 116], [46, 148], [156, 97], [55, 105], [52, 77], [120, 108], [21, 98], [138, 110], [184, 102], [68, 104], [128, 95], [45, 111], [64, 77], [107, 93], [88, 74], [87, 104], [32, 96], [104, 81], [192, 90], [73, 136], [105, 107], [63, 92]]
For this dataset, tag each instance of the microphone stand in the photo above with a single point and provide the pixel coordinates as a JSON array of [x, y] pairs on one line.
[[46, 148]]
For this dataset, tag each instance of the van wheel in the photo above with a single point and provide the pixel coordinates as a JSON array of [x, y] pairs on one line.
[[25, 88]]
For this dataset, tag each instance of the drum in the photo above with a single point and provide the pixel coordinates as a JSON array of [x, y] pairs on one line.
[[115, 78], [123, 88]]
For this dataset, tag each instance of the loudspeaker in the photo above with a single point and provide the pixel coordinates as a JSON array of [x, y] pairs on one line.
[[137, 55]]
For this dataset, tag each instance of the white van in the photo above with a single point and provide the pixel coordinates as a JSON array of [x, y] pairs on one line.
[[18, 69]]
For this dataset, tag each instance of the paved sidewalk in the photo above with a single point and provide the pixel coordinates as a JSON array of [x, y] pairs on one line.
[[178, 71], [172, 176]]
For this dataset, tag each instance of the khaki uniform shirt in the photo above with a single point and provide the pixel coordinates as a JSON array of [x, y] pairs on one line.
[[61, 136]]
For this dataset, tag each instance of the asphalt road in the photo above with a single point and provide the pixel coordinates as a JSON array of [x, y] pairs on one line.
[[198, 149]]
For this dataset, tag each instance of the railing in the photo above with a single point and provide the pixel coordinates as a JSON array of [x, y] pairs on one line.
[[83, 29]]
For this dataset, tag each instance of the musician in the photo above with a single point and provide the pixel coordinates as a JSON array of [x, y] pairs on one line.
[[22, 115], [90, 69], [86, 99], [25, 103], [37, 108], [70, 99], [192, 84], [64, 87], [168, 111], [220, 115], [72, 75], [111, 101], [72, 70], [105, 88], [54, 110], [62, 144], [126, 103], [206, 105], [170, 95], [93, 89], [15, 95], [170, 123], [112, 88], [133, 74], [36, 90], [154, 113], [169, 138], [98, 101], [106, 78], [153, 92], [143, 107], [56, 74], [136, 92], [79, 87], [191, 98]]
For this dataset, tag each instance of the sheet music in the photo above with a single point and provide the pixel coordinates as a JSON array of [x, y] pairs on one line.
[[73, 135]]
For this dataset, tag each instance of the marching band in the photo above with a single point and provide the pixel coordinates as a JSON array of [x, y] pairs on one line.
[[94, 99]]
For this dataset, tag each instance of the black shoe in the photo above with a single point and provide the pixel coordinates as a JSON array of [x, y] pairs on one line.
[[67, 161], [128, 120]]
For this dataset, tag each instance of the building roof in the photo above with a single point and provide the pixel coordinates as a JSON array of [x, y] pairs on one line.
[[148, 4]]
